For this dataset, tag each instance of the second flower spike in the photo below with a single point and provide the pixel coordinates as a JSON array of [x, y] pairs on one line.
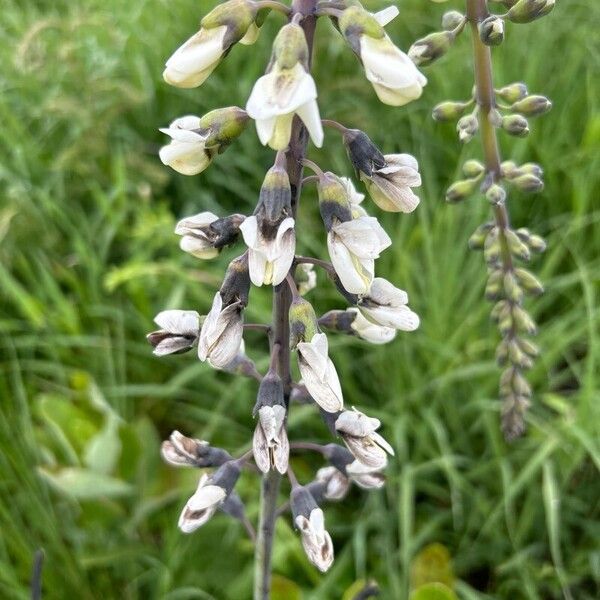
[[286, 90]]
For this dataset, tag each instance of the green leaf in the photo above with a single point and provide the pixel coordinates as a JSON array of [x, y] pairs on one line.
[[83, 484], [103, 450]]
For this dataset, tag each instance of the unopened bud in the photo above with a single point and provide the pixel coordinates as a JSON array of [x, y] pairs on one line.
[[502, 353], [473, 168], [448, 111], [460, 190], [491, 251], [512, 92], [529, 347], [477, 239], [494, 285], [516, 246], [333, 200], [491, 31], [303, 321], [529, 282], [467, 127], [531, 106], [236, 284], [537, 243], [223, 126], [500, 311], [509, 169], [525, 11], [512, 289], [532, 169], [529, 183], [523, 320], [495, 194], [517, 357], [452, 19], [428, 49], [516, 125], [364, 155]]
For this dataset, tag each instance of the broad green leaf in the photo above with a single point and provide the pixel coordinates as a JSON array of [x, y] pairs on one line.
[[83, 484]]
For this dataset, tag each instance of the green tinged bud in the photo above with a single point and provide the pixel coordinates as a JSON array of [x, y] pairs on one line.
[[525, 11], [495, 194], [473, 168], [333, 200], [290, 47], [477, 239], [532, 169], [512, 92], [491, 252], [500, 311], [529, 348], [448, 111], [537, 243], [460, 190], [512, 289], [223, 126], [354, 22], [502, 352], [236, 15], [509, 169], [491, 31], [493, 287], [532, 106], [467, 127], [515, 125], [303, 321], [453, 20], [529, 282], [528, 183], [433, 46], [505, 324], [523, 320], [517, 357], [516, 246]]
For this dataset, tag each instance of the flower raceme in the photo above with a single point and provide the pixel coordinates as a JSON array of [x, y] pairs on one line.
[[394, 76], [196, 59], [269, 233], [195, 141], [286, 89]]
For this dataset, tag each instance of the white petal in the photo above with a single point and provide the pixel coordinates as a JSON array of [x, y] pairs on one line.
[[387, 15], [386, 293], [364, 237], [195, 222], [265, 128], [249, 229], [186, 322], [206, 496], [354, 277], [309, 113]]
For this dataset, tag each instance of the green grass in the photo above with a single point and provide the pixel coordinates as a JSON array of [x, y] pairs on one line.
[[88, 258]]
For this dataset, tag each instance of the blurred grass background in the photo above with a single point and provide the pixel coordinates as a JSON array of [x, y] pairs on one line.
[[88, 257]]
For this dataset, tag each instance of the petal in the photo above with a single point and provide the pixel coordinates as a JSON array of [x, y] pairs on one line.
[[364, 237], [198, 247], [260, 449], [206, 496], [265, 128], [309, 113], [249, 229], [391, 197], [400, 160], [353, 276], [387, 15], [195, 223], [386, 293]]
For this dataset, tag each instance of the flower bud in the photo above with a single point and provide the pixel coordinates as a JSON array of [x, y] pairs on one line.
[[473, 168], [502, 353], [178, 333], [491, 31], [512, 92], [333, 200], [467, 127], [523, 320], [537, 243], [512, 289], [529, 282], [303, 321], [525, 11], [517, 357], [448, 111], [452, 19], [532, 106], [529, 347], [491, 250], [509, 169], [500, 311], [516, 246], [433, 46], [515, 125], [477, 239], [494, 285], [495, 194], [528, 183], [364, 155], [532, 169], [460, 190]]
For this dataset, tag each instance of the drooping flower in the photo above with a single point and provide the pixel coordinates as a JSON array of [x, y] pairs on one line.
[[310, 521], [211, 493], [196, 235], [366, 477], [195, 141], [394, 76], [359, 433], [182, 451], [336, 483], [270, 442], [286, 89], [269, 233], [196, 59], [386, 305], [179, 331], [369, 331]]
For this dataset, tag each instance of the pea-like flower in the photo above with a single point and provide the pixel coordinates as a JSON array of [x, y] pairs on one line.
[[269, 233], [368, 478], [196, 59], [204, 235], [209, 496], [359, 433], [336, 483], [287, 89], [182, 451], [195, 141], [392, 73], [179, 331], [319, 374], [386, 305], [369, 331]]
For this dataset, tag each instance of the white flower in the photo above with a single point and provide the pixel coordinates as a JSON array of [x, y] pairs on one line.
[[386, 305], [179, 330], [288, 89], [221, 333], [369, 331], [270, 442], [389, 186], [306, 278], [365, 477], [353, 247], [186, 153], [394, 76], [355, 198], [202, 505], [269, 260], [182, 451], [359, 433], [315, 539], [319, 374], [337, 484], [197, 238]]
